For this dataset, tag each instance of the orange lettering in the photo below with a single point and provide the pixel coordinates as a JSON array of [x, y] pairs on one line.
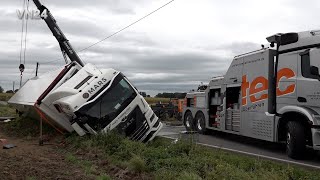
[[263, 82], [253, 89], [288, 73], [244, 87]]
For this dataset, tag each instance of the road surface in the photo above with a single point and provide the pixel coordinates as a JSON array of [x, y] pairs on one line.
[[244, 145]]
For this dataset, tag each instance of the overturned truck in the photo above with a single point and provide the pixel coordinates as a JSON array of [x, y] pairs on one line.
[[80, 97]]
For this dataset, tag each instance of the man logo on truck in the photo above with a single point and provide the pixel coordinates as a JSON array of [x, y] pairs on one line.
[[263, 86]]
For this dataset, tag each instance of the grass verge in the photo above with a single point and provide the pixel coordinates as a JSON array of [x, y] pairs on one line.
[[5, 96], [122, 158], [161, 159], [6, 110], [22, 126]]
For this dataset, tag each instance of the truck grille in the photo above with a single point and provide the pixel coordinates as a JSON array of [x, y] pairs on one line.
[[140, 132], [134, 125]]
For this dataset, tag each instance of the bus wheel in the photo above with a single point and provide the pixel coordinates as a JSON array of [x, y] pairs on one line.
[[188, 121], [295, 143], [200, 123]]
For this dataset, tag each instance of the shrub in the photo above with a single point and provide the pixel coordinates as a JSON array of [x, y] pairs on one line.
[[137, 164]]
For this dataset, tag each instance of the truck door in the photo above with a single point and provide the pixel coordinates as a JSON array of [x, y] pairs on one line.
[[287, 79], [308, 90]]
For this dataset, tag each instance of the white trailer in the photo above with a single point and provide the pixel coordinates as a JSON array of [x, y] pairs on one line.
[[83, 98], [252, 100]]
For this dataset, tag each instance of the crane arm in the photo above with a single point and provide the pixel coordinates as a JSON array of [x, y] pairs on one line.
[[57, 33]]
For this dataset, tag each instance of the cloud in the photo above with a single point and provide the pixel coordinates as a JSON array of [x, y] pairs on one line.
[[175, 49]]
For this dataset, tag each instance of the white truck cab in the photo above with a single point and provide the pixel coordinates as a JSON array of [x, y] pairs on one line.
[[89, 100], [84, 98]]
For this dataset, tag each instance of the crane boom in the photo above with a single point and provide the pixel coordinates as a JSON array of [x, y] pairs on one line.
[[57, 33]]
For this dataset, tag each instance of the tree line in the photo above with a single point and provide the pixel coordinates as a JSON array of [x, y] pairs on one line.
[[9, 91], [171, 95]]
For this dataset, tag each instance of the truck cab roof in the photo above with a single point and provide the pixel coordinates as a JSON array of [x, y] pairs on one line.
[[305, 39]]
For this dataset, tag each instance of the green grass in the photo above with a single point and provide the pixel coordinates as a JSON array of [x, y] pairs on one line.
[[137, 164], [6, 110], [162, 159], [23, 126], [184, 160], [87, 166], [104, 177], [71, 158], [153, 100], [5, 96]]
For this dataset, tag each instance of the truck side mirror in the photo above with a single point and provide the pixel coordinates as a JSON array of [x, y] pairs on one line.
[[314, 70]]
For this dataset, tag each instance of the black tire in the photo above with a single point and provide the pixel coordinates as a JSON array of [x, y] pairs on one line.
[[200, 123], [295, 141], [165, 116], [188, 121]]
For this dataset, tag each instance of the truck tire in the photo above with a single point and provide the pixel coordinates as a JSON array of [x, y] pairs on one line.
[[200, 123], [188, 121], [295, 141]]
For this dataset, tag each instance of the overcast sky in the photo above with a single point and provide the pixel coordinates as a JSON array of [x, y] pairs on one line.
[[173, 50]]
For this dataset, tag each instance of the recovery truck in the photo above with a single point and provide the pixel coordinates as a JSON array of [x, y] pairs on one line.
[[84, 98], [272, 94]]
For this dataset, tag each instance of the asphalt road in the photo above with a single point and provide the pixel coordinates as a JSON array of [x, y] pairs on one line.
[[244, 145]]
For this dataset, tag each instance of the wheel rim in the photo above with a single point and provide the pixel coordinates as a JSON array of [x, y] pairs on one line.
[[188, 121], [288, 140], [200, 123]]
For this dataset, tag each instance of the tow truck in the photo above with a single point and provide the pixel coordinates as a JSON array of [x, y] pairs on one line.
[[272, 94], [80, 97]]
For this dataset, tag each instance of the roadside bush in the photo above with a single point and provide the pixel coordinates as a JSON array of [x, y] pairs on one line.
[[137, 164], [7, 110]]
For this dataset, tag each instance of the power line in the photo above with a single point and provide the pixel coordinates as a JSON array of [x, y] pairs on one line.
[[22, 28], [25, 36], [117, 32], [127, 26]]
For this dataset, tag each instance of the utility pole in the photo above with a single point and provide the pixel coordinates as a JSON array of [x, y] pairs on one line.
[[37, 69]]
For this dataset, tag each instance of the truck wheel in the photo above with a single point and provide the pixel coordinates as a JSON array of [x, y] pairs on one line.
[[188, 121], [200, 123], [295, 143], [165, 116]]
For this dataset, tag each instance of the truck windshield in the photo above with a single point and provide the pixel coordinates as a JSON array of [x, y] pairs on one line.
[[109, 105]]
